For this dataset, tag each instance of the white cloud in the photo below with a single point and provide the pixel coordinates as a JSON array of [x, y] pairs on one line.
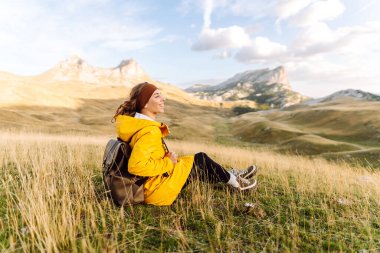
[[208, 8], [317, 12], [43, 33], [319, 35], [350, 60], [225, 37], [343, 58], [319, 38], [251, 8], [288, 8], [259, 49], [229, 37], [318, 55], [322, 76]]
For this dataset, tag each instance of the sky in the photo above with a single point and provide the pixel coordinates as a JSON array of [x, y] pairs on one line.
[[324, 45]]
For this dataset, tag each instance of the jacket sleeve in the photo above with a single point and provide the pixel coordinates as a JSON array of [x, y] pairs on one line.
[[142, 161]]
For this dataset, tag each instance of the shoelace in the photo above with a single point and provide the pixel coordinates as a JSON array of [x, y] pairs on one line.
[[238, 172], [243, 171]]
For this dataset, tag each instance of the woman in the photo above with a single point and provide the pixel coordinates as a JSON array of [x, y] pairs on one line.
[[166, 173]]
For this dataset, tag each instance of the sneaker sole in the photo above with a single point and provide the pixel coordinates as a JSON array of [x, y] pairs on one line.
[[249, 186]]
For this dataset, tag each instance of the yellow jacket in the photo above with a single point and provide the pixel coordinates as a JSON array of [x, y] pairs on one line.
[[165, 180]]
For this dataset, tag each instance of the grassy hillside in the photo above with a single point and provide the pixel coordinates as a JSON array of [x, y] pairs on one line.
[[328, 129], [349, 120], [52, 199], [260, 130], [94, 116], [339, 130], [309, 144]]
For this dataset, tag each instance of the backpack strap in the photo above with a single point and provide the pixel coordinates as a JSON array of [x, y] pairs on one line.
[[142, 179], [164, 145]]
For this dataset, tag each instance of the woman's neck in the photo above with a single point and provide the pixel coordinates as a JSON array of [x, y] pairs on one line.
[[141, 115], [149, 114]]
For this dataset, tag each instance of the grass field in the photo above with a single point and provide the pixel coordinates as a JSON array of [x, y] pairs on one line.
[[52, 199], [347, 131]]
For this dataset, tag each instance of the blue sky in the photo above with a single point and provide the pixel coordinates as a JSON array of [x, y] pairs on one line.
[[325, 45]]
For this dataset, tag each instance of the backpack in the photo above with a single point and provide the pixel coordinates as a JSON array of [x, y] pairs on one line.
[[123, 187]]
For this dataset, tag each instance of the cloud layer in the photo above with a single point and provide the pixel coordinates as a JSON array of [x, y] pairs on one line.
[[312, 50], [322, 43], [91, 29]]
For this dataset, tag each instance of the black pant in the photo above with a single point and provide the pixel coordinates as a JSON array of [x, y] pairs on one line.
[[207, 170]]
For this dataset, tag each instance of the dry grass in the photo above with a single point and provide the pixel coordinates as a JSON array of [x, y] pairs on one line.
[[357, 118], [94, 118], [52, 199], [310, 144], [343, 130]]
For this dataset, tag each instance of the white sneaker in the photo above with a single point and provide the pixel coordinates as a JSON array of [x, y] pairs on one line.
[[245, 184], [246, 174]]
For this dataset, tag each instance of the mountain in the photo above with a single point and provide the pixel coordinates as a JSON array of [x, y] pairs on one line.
[[346, 94], [264, 86], [69, 83], [73, 81], [198, 87], [75, 68], [356, 94]]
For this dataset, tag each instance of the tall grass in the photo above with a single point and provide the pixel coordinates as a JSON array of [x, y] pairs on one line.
[[52, 199]]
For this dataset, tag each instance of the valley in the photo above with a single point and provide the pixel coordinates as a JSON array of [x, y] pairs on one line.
[[77, 98], [347, 131], [318, 168]]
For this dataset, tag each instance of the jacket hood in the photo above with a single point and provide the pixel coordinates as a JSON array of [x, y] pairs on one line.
[[128, 125]]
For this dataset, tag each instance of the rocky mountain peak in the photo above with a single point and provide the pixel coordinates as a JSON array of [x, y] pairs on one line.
[[73, 62], [264, 76], [126, 62], [353, 93], [348, 93], [279, 75], [74, 59], [130, 67], [75, 68], [264, 86]]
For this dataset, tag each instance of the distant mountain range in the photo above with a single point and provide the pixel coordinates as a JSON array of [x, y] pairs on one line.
[[75, 68], [264, 86], [269, 87], [74, 79], [349, 93]]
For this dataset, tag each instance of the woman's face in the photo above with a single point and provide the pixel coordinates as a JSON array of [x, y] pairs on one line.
[[156, 103]]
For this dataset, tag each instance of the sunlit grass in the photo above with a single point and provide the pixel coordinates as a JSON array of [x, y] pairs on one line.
[[52, 199]]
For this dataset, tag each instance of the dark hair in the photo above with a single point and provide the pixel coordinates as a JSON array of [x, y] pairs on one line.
[[129, 106]]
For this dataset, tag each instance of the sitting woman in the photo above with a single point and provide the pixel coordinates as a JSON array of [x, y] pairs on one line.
[[166, 173]]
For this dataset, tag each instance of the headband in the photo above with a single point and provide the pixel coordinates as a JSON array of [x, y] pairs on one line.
[[144, 96]]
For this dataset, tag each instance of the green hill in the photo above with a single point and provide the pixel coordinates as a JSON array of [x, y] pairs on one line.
[[309, 144], [324, 128]]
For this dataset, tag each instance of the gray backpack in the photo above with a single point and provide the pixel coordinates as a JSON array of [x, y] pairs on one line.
[[123, 187]]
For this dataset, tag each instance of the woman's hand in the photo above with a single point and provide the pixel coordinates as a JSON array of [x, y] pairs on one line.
[[173, 156]]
